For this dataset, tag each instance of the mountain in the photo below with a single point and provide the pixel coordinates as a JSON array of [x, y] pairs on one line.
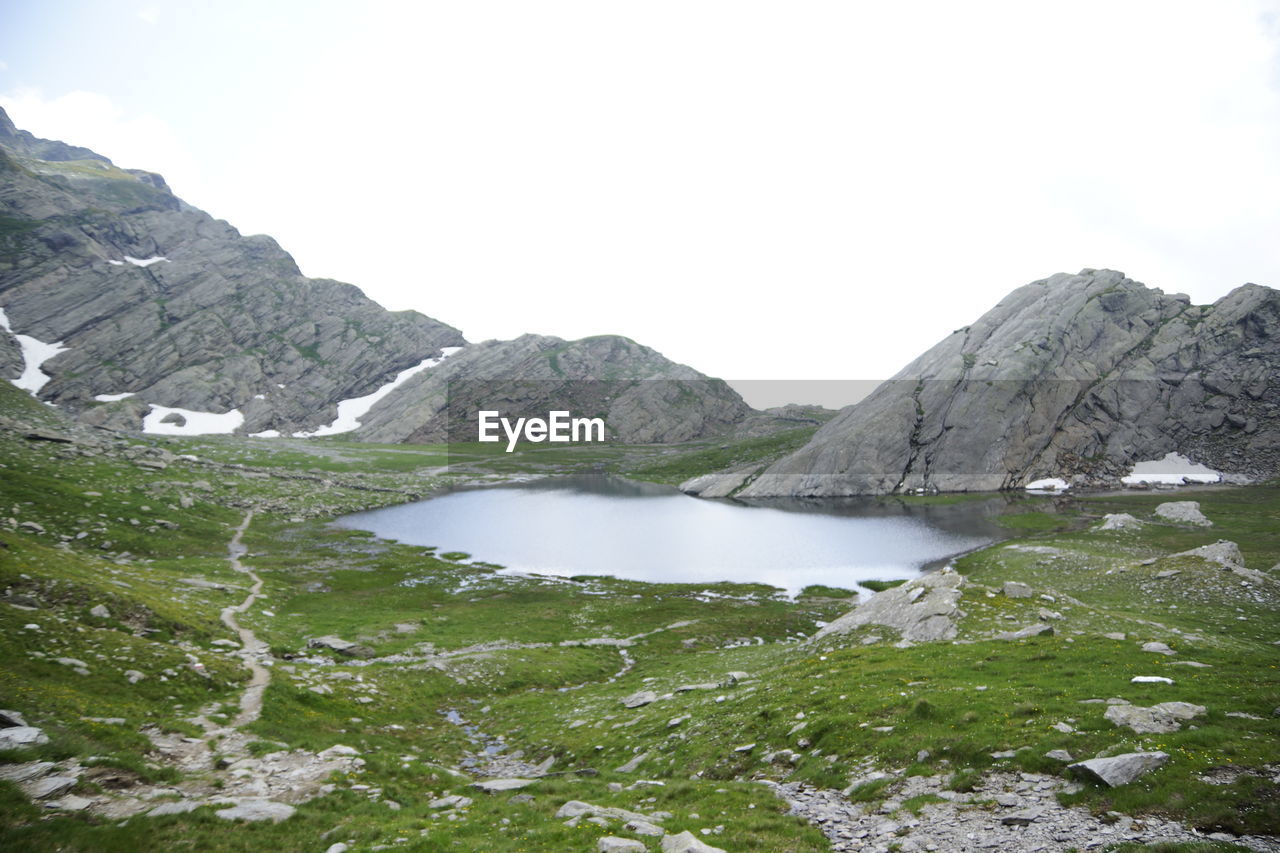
[[119, 302], [641, 395], [1074, 376]]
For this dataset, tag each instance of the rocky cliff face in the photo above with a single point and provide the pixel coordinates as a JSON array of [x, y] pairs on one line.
[[641, 395], [152, 303], [153, 298], [1074, 376]]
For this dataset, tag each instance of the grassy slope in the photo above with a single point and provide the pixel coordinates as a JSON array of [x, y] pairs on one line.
[[394, 598]]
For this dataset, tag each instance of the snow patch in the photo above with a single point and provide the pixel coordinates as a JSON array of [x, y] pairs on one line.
[[197, 423], [115, 263], [351, 411], [145, 262], [266, 433], [1174, 469], [112, 398], [1049, 484], [34, 354]]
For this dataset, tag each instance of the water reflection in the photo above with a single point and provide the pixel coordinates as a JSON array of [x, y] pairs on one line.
[[601, 525]]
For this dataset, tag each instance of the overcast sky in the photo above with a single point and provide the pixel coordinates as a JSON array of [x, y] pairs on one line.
[[781, 190]]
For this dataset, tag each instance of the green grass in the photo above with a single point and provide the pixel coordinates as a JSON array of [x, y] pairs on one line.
[[682, 464], [520, 658]]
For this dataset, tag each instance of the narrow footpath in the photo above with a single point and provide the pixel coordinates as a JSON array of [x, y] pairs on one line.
[[251, 648]]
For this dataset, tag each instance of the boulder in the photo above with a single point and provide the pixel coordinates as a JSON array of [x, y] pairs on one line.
[[1119, 521], [687, 842], [1119, 769], [1014, 589], [922, 610], [1157, 719], [639, 699], [1183, 512], [613, 844], [1222, 552], [346, 648], [21, 737]]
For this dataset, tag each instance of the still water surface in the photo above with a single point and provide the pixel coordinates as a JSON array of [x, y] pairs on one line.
[[600, 525]]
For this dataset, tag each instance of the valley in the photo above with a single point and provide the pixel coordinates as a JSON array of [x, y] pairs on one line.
[[408, 686]]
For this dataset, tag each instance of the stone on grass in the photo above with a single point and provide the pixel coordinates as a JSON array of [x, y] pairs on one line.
[[497, 786], [1183, 512], [1158, 648], [1223, 552], [644, 827], [1119, 521], [687, 842], [257, 810], [1150, 679], [1119, 769], [100, 611], [1059, 755], [22, 737], [456, 801], [1158, 719], [613, 844], [639, 699], [1014, 589], [1038, 630], [346, 648], [922, 610]]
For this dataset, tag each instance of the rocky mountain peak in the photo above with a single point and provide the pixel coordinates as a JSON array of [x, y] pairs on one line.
[[1072, 376]]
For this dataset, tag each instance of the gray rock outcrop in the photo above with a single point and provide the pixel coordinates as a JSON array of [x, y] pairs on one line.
[[1183, 512], [1157, 719], [922, 610], [155, 303], [223, 322], [1075, 376], [1119, 769], [1119, 521], [687, 842], [641, 396]]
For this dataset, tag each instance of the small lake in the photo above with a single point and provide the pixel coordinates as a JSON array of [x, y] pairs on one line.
[[602, 525]]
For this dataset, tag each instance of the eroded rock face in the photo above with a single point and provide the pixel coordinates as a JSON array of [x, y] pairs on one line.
[[223, 322], [1075, 376], [922, 610]]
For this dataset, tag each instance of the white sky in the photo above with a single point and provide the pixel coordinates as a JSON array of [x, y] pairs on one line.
[[782, 190]]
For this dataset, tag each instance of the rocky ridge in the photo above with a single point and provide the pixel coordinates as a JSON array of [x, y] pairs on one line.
[[155, 302], [1074, 376], [117, 297], [641, 396]]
